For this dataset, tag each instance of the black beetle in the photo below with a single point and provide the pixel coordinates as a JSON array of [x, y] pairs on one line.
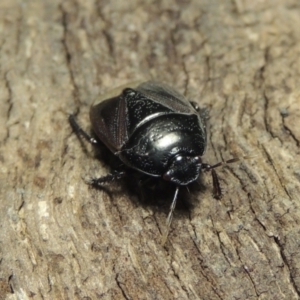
[[156, 131]]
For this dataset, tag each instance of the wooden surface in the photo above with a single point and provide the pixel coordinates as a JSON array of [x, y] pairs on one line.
[[60, 239]]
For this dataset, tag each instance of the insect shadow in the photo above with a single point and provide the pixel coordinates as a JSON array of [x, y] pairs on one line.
[[149, 192]]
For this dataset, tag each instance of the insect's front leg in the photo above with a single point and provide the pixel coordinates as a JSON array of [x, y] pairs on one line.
[[98, 182], [79, 131], [217, 193]]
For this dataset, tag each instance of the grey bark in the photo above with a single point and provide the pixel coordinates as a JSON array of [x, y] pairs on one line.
[[59, 239]]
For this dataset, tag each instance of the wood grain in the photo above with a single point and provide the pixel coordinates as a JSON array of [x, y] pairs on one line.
[[59, 239]]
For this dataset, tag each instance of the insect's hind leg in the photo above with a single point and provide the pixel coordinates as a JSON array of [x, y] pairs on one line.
[[98, 182], [79, 131]]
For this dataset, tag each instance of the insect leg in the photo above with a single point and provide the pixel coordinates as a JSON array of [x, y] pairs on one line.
[[216, 184], [98, 182], [141, 184], [79, 131], [217, 193]]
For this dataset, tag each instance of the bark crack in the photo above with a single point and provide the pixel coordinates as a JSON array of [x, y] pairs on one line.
[[185, 71], [251, 279], [254, 213], [206, 276], [183, 288], [293, 136], [275, 171], [10, 283], [68, 57], [246, 269], [9, 102], [286, 263], [119, 284], [266, 107], [261, 82], [108, 37]]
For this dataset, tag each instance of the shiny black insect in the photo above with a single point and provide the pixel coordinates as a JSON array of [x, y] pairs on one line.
[[154, 130]]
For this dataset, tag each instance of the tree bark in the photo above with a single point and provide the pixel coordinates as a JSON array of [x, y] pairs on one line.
[[60, 239]]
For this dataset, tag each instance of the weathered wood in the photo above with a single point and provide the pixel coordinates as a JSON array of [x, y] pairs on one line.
[[61, 240]]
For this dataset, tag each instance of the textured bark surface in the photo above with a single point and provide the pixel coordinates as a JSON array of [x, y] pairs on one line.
[[59, 239]]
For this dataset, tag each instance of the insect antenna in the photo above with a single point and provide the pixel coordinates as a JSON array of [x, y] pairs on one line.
[[170, 217], [226, 162]]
